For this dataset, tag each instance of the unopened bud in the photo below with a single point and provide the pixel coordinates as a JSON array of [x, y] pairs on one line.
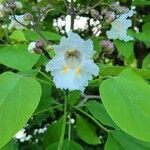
[[115, 6], [33, 49], [123, 9], [110, 16], [107, 46], [72, 121], [40, 44], [27, 17], [104, 11], [95, 13], [37, 51]]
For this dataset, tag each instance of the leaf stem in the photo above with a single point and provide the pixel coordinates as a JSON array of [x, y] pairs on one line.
[[48, 83], [45, 110], [85, 98], [72, 14], [93, 119], [60, 144], [46, 76], [89, 8], [69, 127]]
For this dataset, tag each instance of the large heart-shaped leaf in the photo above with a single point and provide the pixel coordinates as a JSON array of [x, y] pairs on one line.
[[19, 97], [17, 57], [119, 140], [127, 100]]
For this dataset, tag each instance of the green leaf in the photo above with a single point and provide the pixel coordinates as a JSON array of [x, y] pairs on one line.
[[96, 43], [53, 133], [18, 36], [126, 99], [144, 35], [141, 3], [9, 146], [112, 144], [67, 145], [128, 142], [146, 27], [19, 98], [86, 131], [125, 48], [33, 36], [146, 62], [17, 57], [73, 97], [99, 112], [2, 33], [119, 140], [107, 70]]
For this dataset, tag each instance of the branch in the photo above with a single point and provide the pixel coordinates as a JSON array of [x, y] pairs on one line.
[[86, 97], [31, 26], [72, 14], [66, 4], [89, 8]]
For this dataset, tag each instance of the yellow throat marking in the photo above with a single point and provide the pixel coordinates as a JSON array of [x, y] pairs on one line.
[[65, 69], [78, 71]]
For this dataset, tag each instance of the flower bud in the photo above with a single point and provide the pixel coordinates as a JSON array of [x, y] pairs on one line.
[[40, 44], [33, 49], [95, 13], [115, 6], [110, 16], [27, 17], [123, 9], [107, 46], [104, 11]]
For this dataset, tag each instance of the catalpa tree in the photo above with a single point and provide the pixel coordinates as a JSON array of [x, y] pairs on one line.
[[74, 75]]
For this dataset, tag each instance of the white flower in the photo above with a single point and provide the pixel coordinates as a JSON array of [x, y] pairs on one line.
[[120, 26], [1, 10], [31, 47], [73, 67], [15, 24]]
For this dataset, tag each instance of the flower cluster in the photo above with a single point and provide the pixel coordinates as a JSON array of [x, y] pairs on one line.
[[72, 67]]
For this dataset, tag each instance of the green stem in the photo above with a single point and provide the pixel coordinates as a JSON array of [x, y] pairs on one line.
[[46, 76], [69, 127], [45, 110], [48, 83], [89, 116], [60, 144]]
